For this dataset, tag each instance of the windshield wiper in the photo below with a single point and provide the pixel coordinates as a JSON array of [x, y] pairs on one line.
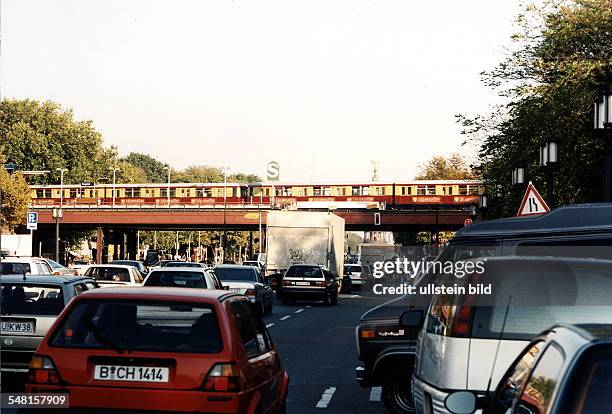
[[96, 331]]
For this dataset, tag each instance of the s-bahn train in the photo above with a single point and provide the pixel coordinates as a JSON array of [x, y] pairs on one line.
[[397, 195]]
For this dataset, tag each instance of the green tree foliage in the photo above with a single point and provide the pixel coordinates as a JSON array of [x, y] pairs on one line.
[[454, 167], [44, 136], [562, 54], [154, 170], [15, 198], [207, 174]]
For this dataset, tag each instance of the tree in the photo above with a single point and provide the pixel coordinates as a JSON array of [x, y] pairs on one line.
[[440, 167], [563, 54], [199, 174], [15, 198], [44, 136], [154, 170], [244, 178], [129, 173]]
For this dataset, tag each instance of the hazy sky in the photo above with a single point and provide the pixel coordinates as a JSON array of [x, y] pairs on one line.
[[322, 86]]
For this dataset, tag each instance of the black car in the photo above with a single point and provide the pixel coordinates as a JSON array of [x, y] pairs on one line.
[[309, 282], [567, 369], [135, 263], [386, 350]]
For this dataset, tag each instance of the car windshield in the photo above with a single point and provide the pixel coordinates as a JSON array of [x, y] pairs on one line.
[[54, 264], [176, 279], [110, 274], [235, 274], [15, 268], [304, 271], [155, 326], [31, 299], [183, 264]]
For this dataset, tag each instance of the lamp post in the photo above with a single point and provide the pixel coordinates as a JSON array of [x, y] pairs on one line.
[[58, 214], [603, 125], [115, 169], [223, 242], [549, 160], [168, 169], [483, 205]]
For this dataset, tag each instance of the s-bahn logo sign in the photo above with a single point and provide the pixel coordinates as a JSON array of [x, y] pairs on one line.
[[532, 203], [273, 170]]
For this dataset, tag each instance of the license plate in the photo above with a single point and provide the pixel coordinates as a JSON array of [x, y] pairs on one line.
[[130, 373], [236, 290], [17, 327], [302, 283]]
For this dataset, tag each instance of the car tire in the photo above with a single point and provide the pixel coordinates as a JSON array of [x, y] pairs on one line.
[[327, 300], [397, 394], [334, 300]]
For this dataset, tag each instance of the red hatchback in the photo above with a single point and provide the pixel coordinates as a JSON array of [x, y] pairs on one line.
[[161, 349]]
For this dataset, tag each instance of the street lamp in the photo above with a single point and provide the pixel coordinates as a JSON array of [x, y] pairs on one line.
[[223, 242], [549, 160], [168, 169], [115, 169], [518, 176], [603, 124], [483, 204], [57, 213]]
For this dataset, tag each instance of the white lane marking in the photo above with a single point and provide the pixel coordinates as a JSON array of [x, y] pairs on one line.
[[326, 397], [355, 296], [375, 393], [299, 310], [269, 325], [285, 317], [308, 306]]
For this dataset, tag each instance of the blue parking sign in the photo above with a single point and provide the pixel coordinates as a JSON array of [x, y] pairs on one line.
[[32, 220]]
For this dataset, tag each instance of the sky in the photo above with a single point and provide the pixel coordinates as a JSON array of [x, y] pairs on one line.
[[324, 87]]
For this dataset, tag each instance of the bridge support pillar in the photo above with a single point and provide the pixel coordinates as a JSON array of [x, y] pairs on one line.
[[131, 245], [99, 244]]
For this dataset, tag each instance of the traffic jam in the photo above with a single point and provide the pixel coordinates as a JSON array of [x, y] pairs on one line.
[[278, 336]]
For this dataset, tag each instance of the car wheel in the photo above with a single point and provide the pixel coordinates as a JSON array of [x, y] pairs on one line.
[[397, 394], [334, 300], [328, 298]]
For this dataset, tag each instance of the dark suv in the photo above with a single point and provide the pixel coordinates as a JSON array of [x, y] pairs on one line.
[[309, 282]]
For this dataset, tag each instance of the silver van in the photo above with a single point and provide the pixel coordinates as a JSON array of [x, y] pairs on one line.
[[468, 341]]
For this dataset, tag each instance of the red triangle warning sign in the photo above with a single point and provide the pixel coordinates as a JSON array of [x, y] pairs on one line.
[[532, 203]]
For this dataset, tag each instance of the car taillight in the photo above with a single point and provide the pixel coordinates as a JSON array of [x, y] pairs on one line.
[[287, 283], [367, 334], [42, 371], [223, 378], [463, 317], [320, 284], [250, 292]]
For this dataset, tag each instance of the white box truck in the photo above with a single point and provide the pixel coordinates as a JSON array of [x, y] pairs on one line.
[[295, 237]]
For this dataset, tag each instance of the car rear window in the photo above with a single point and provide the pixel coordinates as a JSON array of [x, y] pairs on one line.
[[15, 268], [352, 268], [111, 274], [235, 274], [176, 279], [27, 299], [140, 326], [304, 271]]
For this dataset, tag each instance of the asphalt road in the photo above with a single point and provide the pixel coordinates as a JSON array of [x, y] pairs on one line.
[[317, 344]]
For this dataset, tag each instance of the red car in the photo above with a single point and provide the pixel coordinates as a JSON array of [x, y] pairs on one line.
[[161, 349]]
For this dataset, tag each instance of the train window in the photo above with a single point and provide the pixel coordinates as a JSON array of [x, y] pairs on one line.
[[447, 190], [463, 190], [163, 192], [366, 191], [355, 191], [326, 191], [421, 190], [472, 189], [74, 193], [129, 192], [341, 191], [431, 190], [316, 191], [40, 194]]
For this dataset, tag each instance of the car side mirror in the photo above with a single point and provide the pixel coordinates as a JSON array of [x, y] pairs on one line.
[[411, 319], [461, 402]]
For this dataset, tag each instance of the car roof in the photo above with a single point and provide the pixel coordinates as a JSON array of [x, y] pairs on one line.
[[44, 279], [231, 266], [180, 269], [16, 259], [162, 293], [575, 218], [112, 265], [306, 264]]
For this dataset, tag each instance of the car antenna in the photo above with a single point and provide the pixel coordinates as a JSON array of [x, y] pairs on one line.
[[499, 340]]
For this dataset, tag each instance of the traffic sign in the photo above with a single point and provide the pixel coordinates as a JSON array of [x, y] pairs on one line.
[[467, 222], [32, 220], [533, 203], [273, 170]]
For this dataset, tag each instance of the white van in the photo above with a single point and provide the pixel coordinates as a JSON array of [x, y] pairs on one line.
[[469, 341]]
